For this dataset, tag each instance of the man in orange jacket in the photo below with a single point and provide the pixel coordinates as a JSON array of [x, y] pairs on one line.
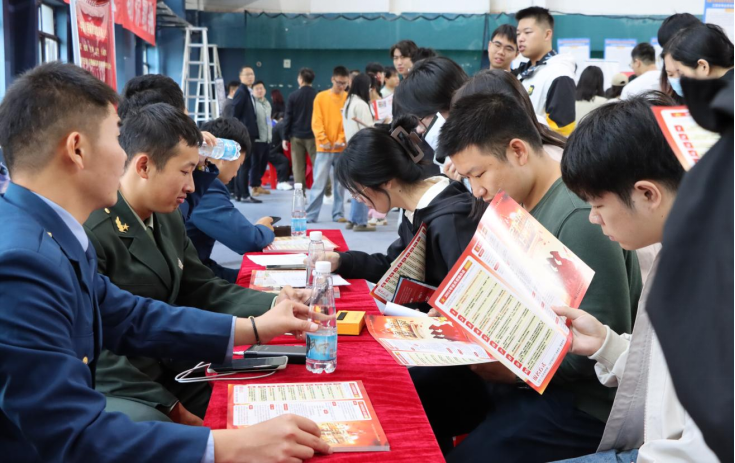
[[326, 123]]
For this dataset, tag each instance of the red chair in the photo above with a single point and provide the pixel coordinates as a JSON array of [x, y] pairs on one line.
[[309, 168], [270, 176]]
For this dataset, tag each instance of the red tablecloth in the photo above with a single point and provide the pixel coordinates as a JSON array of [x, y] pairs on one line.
[[358, 358]]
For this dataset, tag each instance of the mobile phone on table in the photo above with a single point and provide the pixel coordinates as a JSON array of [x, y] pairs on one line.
[[275, 220], [251, 365], [295, 354]]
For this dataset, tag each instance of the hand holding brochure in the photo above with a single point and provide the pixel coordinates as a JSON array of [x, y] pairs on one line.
[[342, 410], [410, 263], [502, 288]]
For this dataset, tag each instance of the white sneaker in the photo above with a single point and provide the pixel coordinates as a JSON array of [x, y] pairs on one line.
[[328, 199], [284, 186], [375, 221]]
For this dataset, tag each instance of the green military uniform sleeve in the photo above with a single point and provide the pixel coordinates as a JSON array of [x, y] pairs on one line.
[[201, 288], [117, 376]]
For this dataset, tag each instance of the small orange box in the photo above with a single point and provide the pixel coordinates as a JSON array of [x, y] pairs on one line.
[[350, 322]]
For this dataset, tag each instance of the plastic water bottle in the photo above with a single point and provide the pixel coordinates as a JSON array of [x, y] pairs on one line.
[[316, 254], [224, 149], [321, 345], [298, 212]]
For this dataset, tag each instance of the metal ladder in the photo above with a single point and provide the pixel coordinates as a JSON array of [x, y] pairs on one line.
[[203, 59]]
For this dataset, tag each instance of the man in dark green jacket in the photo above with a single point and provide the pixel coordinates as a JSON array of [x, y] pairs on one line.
[[494, 142], [143, 248]]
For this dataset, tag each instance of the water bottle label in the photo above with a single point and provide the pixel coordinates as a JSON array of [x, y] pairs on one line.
[[231, 149], [321, 347]]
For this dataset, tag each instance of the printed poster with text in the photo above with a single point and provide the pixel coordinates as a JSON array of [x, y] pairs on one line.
[[93, 33], [502, 288], [410, 263], [425, 341], [687, 139], [342, 410]]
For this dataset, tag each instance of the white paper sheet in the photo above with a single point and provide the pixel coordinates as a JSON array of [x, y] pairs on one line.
[[297, 278], [279, 259], [396, 310]]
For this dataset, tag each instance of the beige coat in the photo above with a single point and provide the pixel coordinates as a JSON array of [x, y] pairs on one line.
[[646, 413]]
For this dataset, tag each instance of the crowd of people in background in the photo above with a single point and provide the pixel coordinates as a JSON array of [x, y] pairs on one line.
[[590, 164]]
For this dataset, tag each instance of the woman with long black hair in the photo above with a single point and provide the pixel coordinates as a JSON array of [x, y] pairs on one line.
[[383, 168], [590, 91], [702, 51]]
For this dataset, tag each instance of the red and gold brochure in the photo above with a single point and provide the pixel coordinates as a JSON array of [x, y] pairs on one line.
[[425, 341], [342, 410], [410, 263], [687, 139], [502, 289]]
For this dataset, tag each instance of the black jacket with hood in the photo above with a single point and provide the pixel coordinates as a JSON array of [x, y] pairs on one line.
[[449, 230]]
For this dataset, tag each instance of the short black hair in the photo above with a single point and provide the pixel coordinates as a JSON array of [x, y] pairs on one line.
[[488, 122], [230, 129], [341, 71], [233, 85], [143, 98], [701, 41], [674, 24], [390, 71], [157, 130], [170, 91], [423, 53], [429, 87], [406, 47], [494, 81], [45, 104], [617, 145], [645, 52], [541, 15], [307, 75], [259, 82], [374, 68], [507, 31]]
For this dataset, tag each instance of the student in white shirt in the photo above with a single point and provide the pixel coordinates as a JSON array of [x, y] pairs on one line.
[[647, 74]]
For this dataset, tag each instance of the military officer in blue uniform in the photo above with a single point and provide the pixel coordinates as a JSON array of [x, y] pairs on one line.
[[58, 130]]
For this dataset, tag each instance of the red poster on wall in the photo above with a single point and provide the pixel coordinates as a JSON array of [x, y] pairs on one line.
[[94, 38], [137, 16]]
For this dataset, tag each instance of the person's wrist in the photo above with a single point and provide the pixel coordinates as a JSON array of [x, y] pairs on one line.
[[265, 329], [243, 332], [255, 330]]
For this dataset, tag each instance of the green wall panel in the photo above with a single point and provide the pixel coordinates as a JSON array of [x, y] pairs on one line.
[[324, 41], [324, 33]]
